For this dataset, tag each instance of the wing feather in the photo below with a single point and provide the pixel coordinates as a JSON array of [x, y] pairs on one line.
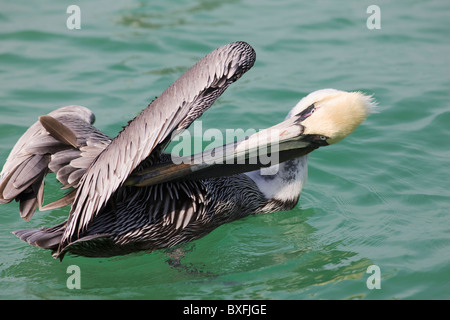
[[58, 130], [55, 143], [175, 109]]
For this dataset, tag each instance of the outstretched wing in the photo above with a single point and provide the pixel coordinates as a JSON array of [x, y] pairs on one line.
[[175, 109], [63, 142]]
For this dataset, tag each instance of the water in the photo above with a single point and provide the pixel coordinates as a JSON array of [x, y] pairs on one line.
[[380, 197]]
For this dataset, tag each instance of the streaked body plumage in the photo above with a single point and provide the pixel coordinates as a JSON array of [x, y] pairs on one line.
[[113, 212]]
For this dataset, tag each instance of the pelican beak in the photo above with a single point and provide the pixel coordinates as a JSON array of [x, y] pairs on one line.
[[287, 138], [335, 116], [265, 148]]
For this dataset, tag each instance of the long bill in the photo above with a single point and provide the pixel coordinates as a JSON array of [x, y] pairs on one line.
[[263, 149]]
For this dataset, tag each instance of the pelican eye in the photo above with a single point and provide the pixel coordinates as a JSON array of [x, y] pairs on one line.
[[320, 140]]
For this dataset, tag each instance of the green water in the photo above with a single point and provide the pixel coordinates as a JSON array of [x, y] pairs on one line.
[[380, 197]]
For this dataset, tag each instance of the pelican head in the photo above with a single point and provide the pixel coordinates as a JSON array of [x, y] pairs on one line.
[[330, 115], [321, 118]]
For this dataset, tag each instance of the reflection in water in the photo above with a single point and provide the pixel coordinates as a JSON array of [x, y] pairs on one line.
[[281, 253]]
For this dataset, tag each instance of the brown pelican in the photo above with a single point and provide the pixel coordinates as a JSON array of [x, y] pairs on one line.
[[128, 195]]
